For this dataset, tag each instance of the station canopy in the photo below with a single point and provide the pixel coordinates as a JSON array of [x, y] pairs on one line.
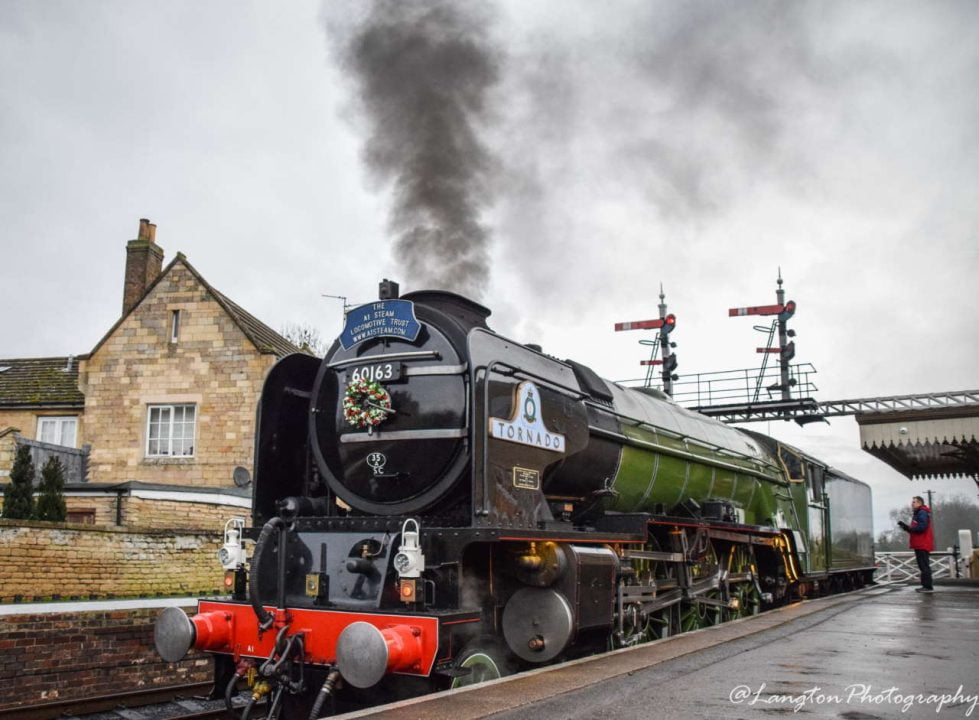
[[925, 443]]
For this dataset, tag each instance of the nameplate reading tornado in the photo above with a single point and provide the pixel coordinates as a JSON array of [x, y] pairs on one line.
[[526, 426]]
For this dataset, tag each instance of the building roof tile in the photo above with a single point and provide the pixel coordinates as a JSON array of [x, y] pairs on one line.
[[40, 382], [264, 338]]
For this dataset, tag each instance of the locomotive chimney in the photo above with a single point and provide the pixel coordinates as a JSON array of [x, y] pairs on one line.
[[144, 260], [388, 290]]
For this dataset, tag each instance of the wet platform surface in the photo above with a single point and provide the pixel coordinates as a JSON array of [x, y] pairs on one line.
[[885, 652]]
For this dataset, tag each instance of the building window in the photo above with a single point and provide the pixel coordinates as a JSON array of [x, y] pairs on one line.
[[174, 325], [57, 430], [170, 430]]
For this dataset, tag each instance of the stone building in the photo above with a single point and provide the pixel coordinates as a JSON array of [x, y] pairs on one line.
[[162, 409]]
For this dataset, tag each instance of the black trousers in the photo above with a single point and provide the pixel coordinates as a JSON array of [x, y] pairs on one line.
[[924, 565]]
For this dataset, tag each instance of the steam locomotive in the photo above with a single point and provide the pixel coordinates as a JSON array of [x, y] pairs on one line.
[[435, 504]]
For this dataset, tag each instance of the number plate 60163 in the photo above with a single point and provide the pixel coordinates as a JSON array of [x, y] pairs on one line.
[[382, 372]]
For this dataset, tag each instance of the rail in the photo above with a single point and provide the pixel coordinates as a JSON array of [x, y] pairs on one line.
[[902, 567], [114, 701]]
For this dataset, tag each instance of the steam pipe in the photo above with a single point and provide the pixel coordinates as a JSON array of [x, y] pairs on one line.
[[329, 685], [229, 690], [246, 713], [265, 618], [283, 537], [289, 509]]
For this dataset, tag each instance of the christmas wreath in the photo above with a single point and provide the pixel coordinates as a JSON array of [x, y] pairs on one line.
[[366, 403]]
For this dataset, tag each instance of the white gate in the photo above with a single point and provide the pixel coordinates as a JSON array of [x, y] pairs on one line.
[[902, 567]]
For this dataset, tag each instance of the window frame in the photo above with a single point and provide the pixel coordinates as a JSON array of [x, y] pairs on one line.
[[60, 422], [169, 437], [174, 325]]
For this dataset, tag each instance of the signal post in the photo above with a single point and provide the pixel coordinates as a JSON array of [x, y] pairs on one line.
[[665, 324], [786, 348]]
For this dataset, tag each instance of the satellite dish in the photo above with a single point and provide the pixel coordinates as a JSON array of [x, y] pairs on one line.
[[241, 477]]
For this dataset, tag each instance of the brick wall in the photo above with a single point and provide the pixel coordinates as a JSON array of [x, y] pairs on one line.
[[75, 561], [169, 514], [146, 514], [104, 508], [212, 365], [66, 656]]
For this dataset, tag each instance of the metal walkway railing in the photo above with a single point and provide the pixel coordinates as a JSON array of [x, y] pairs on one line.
[[736, 386]]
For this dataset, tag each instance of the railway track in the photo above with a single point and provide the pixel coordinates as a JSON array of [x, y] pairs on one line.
[[220, 714], [118, 701]]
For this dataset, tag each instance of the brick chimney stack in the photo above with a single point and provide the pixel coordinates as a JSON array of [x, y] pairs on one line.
[[144, 260]]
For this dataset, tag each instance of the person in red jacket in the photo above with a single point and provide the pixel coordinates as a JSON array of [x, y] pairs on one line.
[[921, 539]]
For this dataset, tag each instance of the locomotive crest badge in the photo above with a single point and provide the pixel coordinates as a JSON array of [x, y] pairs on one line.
[[385, 318], [526, 426]]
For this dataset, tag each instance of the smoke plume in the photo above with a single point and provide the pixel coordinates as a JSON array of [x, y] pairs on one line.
[[632, 135], [424, 72]]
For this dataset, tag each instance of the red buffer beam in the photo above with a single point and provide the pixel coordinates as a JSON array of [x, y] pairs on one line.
[[650, 362], [768, 350]]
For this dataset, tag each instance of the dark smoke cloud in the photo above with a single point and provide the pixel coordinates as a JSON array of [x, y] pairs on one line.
[[682, 102], [727, 77], [632, 134], [425, 72]]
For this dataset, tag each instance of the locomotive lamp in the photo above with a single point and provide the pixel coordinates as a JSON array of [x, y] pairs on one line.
[[232, 553], [409, 562], [408, 590]]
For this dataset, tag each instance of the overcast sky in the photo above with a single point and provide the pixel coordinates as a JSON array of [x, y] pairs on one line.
[[702, 145]]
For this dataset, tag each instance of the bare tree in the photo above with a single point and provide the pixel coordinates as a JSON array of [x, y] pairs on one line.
[[305, 337]]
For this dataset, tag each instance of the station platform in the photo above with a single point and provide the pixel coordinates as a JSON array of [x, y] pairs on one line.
[[882, 652], [82, 606]]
